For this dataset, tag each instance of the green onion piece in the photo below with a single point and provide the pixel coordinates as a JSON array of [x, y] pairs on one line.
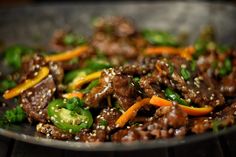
[[73, 40], [103, 122], [171, 68], [185, 73], [193, 65], [170, 94], [160, 38], [226, 68], [6, 84], [91, 85]]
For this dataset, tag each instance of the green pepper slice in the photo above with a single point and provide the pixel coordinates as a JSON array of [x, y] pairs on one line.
[[67, 120]]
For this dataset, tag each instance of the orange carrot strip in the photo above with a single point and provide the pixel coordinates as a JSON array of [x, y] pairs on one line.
[[193, 111], [67, 55], [161, 50], [131, 112], [185, 52], [43, 72], [72, 95]]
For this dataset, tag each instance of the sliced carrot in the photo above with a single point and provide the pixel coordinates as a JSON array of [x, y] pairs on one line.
[[161, 50], [131, 112], [185, 52], [193, 111], [72, 95], [68, 54], [42, 73], [79, 81]]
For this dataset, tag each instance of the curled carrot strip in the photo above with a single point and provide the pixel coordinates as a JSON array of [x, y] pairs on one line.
[[42, 73], [131, 112], [79, 81], [72, 95], [185, 52], [193, 111], [68, 54], [157, 101]]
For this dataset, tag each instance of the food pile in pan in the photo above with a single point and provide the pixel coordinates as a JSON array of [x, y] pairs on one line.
[[121, 84]]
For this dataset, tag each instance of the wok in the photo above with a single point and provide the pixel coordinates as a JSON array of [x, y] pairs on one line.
[[34, 24]]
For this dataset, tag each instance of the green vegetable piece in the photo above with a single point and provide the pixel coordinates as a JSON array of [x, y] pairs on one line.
[[97, 64], [171, 68], [216, 125], [14, 54], [15, 115], [67, 120], [185, 73], [160, 38], [200, 48], [226, 68], [193, 65], [91, 85], [103, 122], [73, 74], [6, 84], [170, 94], [73, 40], [73, 103], [222, 48], [136, 80]]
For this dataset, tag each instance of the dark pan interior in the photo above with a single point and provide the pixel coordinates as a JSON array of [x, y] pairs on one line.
[[33, 25]]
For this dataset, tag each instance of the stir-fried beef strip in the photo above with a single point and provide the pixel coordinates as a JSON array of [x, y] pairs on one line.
[[53, 132], [35, 100], [103, 126], [200, 125], [212, 65], [228, 83], [196, 88], [223, 118], [30, 66], [168, 122], [117, 38], [119, 82]]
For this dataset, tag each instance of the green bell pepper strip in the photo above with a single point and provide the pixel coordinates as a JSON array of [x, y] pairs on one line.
[[66, 120]]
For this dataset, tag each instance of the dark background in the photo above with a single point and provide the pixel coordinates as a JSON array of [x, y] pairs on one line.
[[7, 3]]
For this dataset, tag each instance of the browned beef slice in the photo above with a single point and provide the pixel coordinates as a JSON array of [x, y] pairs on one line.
[[211, 64], [225, 117], [36, 99], [103, 125], [100, 92], [98, 135], [200, 125], [150, 86], [199, 88], [118, 81], [124, 91], [106, 119], [168, 122], [53, 132], [111, 82], [228, 84], [115, 36], [117, 25], [31, 65]]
